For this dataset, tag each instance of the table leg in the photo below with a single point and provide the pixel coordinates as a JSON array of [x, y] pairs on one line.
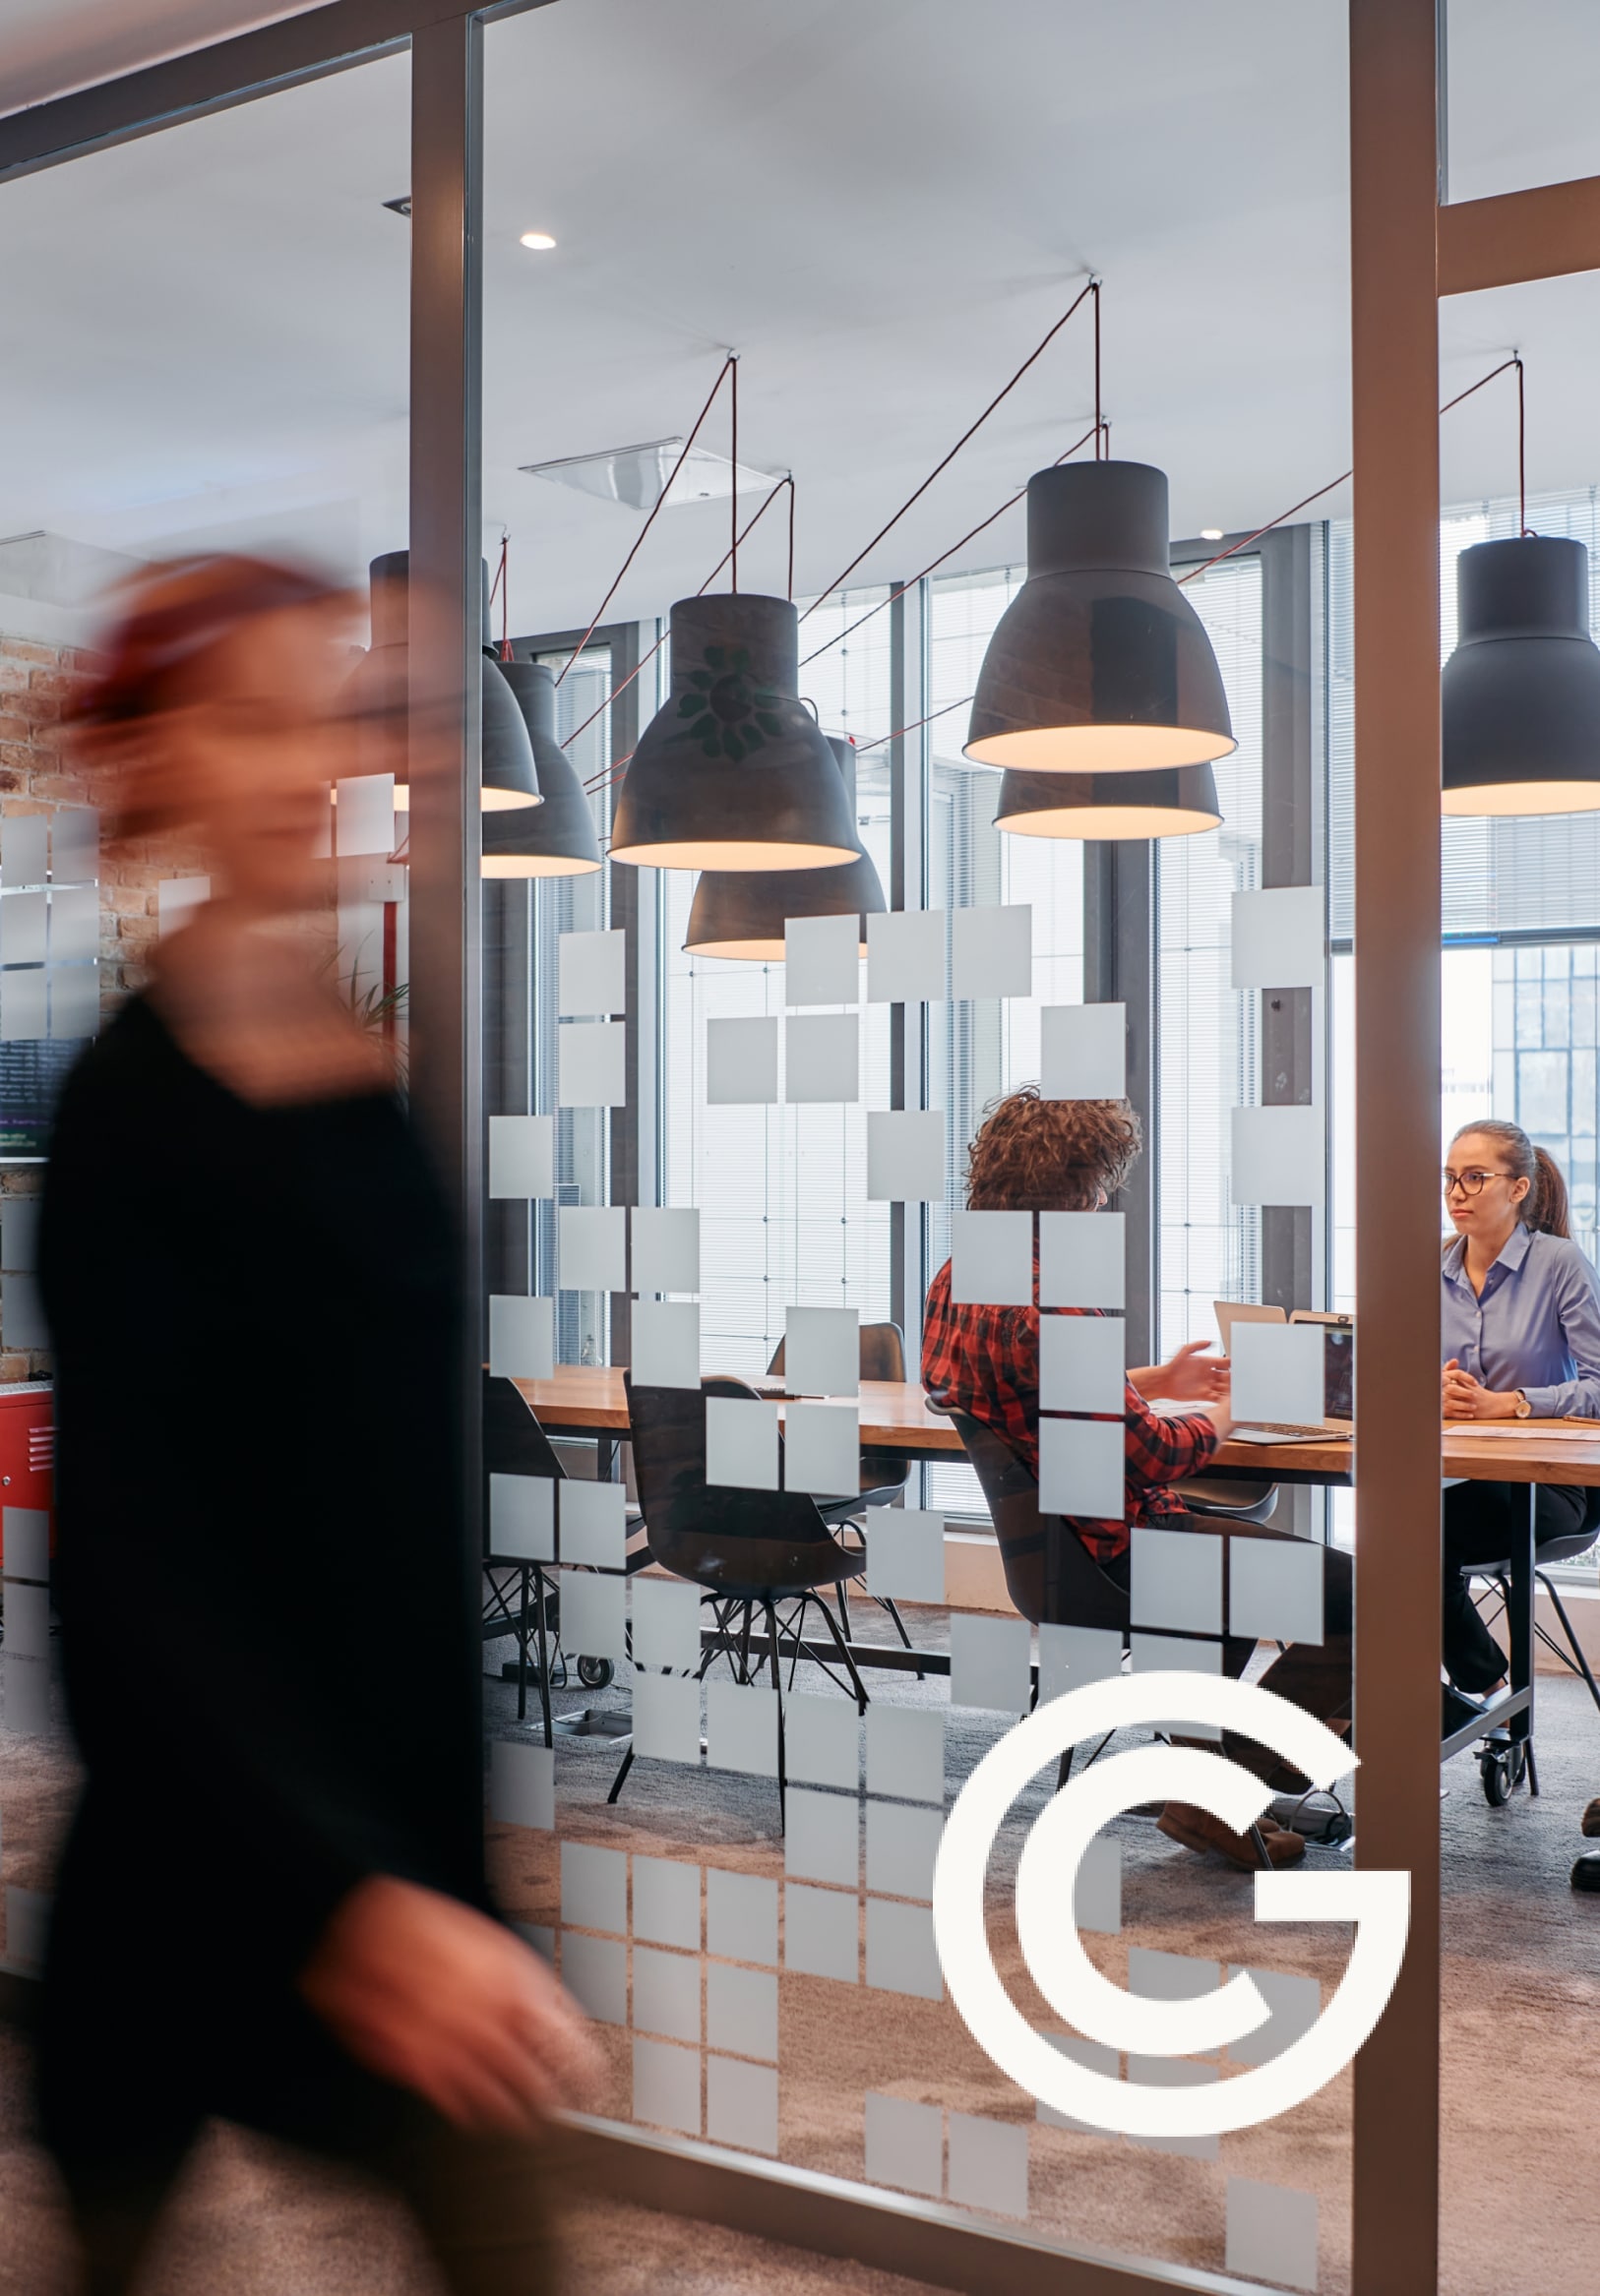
[[1519, 1617], [606, 1447]]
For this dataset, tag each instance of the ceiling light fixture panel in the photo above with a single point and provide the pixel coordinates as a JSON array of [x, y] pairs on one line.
[[637, 475]]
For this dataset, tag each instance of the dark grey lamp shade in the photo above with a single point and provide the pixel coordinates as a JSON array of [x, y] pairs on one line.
[[556, 837], [1520, 695], [1099, 664], [742, 912], [1180, 802], [380, 692], [732, 773]]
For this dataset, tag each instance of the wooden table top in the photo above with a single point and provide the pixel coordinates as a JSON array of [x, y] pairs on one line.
[[895, 1417]]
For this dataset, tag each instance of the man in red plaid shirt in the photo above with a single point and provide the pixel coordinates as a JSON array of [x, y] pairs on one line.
[[1039, 1156]]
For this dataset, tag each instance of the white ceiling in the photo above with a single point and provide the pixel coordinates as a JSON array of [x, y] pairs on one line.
[[881, 204], [52, 46]]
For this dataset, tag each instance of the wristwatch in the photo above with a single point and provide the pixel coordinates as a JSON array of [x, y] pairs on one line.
[[1524, 1409]]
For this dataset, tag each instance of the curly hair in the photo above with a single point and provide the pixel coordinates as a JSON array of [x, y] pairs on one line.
[[1034, 1155]]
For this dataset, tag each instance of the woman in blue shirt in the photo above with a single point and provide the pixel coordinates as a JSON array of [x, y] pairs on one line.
[[1521, 1340]]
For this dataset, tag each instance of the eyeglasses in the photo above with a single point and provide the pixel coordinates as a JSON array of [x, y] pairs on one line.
[[1470, 1184]]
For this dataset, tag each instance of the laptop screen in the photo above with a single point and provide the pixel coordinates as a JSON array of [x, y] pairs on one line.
[[1340, 1373]]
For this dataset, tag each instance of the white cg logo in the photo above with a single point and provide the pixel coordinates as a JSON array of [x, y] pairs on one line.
[[1378, 1903]]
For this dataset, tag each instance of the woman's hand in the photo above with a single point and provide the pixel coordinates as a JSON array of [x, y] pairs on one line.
[[431, 1994], [1466, 1398], [1188, 1377]]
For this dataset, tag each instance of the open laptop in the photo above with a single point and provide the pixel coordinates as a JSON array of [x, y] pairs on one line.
[[1338, 1373]]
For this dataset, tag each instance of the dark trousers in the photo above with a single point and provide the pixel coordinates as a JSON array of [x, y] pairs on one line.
[[1483, 1520]]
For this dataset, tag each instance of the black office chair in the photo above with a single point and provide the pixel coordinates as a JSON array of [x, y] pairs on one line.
[[1504, 1762], [748, 1551], [519, 1597]]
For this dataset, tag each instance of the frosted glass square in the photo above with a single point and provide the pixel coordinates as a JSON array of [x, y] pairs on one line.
[[1083, 1051], [1157, 1654], [522, 1156], [1070, 1656], [905, 1156], [905, 2146], [989, 1663], [176, 901], [1174, 2073], [1275, 1589], [906, 1753], [741, 1924], [822, 1933], [591, 1063], [1278, 1371], [905, 956], [27, 1696], [1082, 1259], [741, 1442], [905, 1555], [741, 1728], [991, 1258], [900, 1952], [741, 2106], [666, 1717], [75, 1001], [1082, 1467], [20, 1234], [822, 1350], [664, 1343], [741, 1060], [666, 2086], [594, 1888], [1098, 1891], [666, 1619], [822, 1057], [593, 1247], [821, 1840], [902, 1843], [1164, 1976], [1278, 1156], [75, 846], [1279, 937], [591, 974], [25, 1005], [1271, 2233], [28, 1927], [666, 1994], [28, 1621], [1082, 1364], [667, 1248], [74, 925], [822, 1740], [821, 1449], [522, 1784], [1296, 2003], [22, 1311], [988, 2164], [1176, 1580], [991, 951], [521, 1336], [741, 2011], [593, 1616], [522, 1517], [821, 960], [666, 1903], [364, 816], [1096, 2058], [23, 842], [25, 1533], [594, 1525]]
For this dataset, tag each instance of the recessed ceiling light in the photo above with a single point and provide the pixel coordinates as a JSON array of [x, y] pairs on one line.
[[539, 239], [1210, 534]]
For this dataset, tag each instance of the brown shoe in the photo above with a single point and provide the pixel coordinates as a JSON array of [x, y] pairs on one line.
[[1590, 1821], [1196, 1828]]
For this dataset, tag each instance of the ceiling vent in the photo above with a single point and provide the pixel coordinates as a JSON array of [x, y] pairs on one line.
[[637, 475]]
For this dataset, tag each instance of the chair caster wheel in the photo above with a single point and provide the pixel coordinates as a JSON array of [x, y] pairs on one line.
[[1503, 1767], [595, 1673]]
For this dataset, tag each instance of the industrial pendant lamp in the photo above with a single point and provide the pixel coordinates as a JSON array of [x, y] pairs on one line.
[[1099, 664], [1179, 801], [381, 684], [556, 837], [1520, 695], [732, 773], [741, 913]]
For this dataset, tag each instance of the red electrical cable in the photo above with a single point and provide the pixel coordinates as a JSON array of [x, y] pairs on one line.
[[733, 469]]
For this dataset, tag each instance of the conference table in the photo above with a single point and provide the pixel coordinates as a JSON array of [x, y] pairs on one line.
[[587, 1399]]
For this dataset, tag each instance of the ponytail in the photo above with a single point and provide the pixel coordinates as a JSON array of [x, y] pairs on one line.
[[1544, 1208]]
